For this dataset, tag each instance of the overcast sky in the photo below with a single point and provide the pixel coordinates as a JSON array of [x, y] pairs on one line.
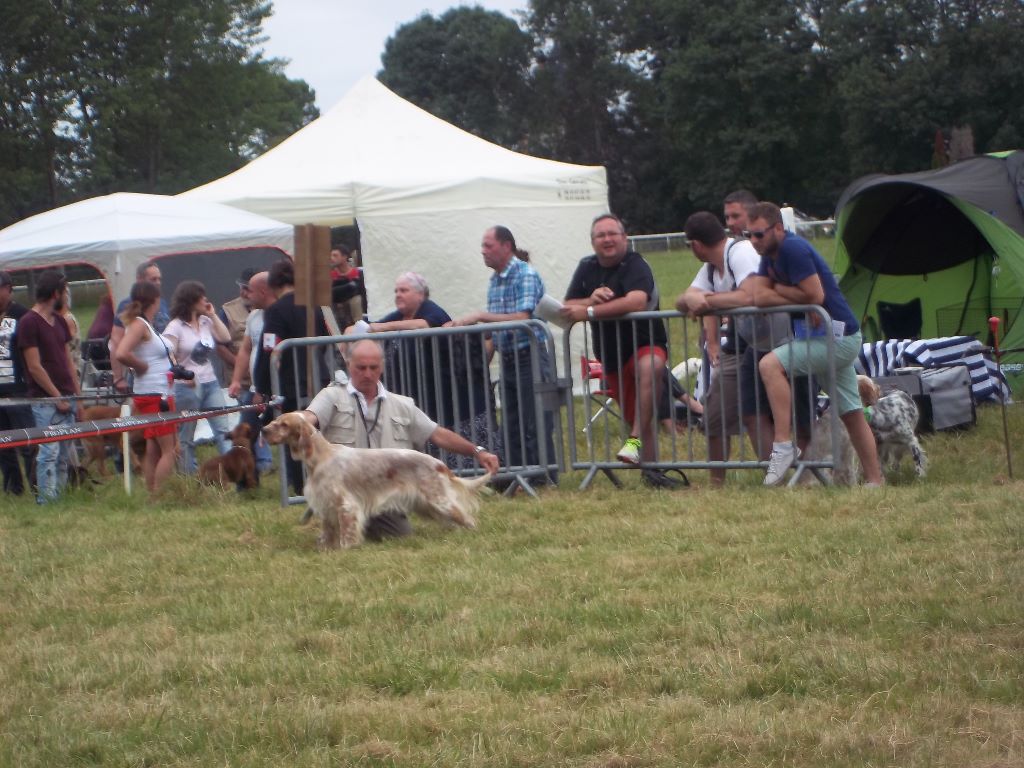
[[332, 44]]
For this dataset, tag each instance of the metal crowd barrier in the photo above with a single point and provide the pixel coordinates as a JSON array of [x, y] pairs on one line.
[[597, 428], [456, 377]]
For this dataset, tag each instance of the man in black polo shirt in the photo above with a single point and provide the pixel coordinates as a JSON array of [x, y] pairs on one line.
[[610, 283]]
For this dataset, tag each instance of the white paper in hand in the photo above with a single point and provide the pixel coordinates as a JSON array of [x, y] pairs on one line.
[[549, 308]]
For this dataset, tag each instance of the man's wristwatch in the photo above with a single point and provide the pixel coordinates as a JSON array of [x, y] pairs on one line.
[[479, 449], [590, 313]]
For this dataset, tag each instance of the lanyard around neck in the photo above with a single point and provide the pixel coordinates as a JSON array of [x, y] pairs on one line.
[[369, 428]]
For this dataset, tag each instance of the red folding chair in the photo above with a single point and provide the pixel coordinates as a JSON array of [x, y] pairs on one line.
[[603, 396]]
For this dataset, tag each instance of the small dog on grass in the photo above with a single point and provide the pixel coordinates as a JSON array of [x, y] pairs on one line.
[[345, 487], [237, 466], [893, 417], [96, 446]]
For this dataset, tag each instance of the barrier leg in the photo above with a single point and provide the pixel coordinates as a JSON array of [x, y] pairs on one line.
[[126, 450], [592, 473]]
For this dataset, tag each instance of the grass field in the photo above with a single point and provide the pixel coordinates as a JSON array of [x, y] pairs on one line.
[[604, 629], [608, 628]]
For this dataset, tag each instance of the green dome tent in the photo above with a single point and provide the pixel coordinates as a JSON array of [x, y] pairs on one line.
[[939, 251]]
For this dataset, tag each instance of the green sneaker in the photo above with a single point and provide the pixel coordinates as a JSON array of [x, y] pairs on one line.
[[630, 451]]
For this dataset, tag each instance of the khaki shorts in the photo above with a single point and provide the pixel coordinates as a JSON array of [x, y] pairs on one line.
[[722, 405]]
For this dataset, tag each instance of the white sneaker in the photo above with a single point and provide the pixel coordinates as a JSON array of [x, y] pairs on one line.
[[781, 460], [630, 451]]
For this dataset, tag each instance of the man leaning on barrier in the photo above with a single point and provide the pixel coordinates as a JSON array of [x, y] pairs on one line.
[[792, 272], [612, 282], [725, 283], [513, 293]]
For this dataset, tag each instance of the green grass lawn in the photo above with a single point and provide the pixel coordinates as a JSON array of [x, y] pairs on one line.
[[808, 627], [601, 629]]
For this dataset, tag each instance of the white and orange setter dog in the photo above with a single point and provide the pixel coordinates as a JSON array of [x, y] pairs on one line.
[[347, 486]]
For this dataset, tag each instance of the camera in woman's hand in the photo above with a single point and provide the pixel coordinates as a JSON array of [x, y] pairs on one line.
[[181, 373]]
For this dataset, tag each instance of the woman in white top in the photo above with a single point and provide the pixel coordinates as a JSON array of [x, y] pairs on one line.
[[194, 332], [144, 351]]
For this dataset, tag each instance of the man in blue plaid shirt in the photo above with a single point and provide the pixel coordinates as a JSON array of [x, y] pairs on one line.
[[513, 294]]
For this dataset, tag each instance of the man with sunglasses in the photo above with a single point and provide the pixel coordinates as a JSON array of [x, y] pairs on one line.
[[792, 272]]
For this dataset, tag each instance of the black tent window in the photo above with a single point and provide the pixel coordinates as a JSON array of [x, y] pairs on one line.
[[900, 321]]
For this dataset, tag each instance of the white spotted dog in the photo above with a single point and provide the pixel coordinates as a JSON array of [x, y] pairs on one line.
[[893, 418], [347, 486]]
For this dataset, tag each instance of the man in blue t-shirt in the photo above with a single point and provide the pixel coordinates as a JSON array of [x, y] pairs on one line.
[[792, 272]]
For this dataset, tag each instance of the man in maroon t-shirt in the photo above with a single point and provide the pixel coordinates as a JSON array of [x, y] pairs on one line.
[[43, 338]]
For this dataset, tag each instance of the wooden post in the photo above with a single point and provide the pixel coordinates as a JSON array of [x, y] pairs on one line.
[[312, 281]]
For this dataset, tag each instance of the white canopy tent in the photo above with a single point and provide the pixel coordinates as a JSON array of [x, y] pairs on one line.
[[422, 193], [116, 233]]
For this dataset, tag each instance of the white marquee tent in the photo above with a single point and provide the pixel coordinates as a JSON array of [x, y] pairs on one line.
[[116, 233], [422, 193]]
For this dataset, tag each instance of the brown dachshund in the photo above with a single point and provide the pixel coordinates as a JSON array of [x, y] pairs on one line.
[[237, 466], [96, 446]]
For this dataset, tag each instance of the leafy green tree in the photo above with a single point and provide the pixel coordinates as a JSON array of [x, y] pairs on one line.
[[906, 69], [744, 102], [155, 96], [468, 66], [596, 104], [560, 89], [33, 100], [983, 69]]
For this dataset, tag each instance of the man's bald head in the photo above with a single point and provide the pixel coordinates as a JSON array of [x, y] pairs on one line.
[[366, 366], [364, 348], [260, 295]]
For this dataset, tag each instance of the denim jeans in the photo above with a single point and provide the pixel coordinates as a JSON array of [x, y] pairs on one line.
[[208, 395], [261, 449], [52, 458]]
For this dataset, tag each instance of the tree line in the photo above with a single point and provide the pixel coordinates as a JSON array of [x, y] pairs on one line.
[[100, 96], [684, 100], [681, 100]]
